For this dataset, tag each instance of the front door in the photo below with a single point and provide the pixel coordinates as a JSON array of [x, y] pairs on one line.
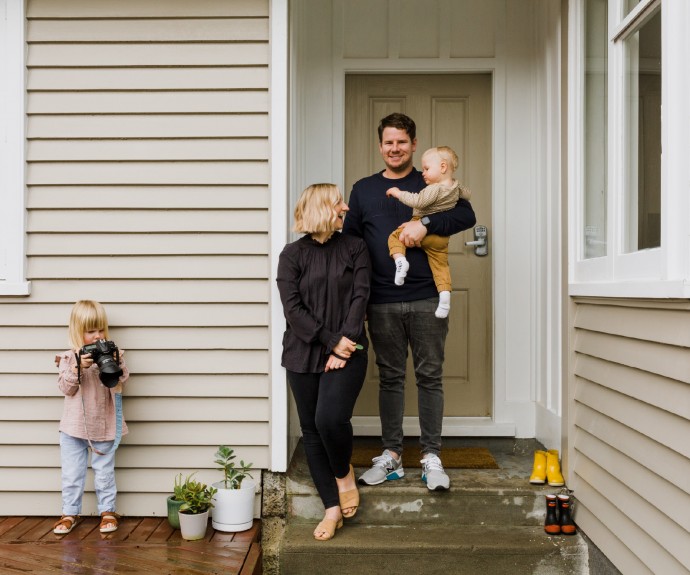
[[452, 110]]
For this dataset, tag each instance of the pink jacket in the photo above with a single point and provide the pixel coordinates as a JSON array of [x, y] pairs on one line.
[[98, 401]]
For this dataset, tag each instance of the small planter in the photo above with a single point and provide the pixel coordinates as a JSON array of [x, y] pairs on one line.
[[194, 526], [173, 512], [233, 509]]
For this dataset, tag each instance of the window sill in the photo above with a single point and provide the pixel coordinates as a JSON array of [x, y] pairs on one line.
[[632, 289], [16, 289]]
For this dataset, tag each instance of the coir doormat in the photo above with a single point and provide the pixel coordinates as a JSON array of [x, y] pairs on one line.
[[452, 457]]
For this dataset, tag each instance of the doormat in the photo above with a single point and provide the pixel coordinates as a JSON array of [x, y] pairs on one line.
[[452, 457]]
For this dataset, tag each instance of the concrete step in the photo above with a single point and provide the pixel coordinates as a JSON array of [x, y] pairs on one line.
[[490, 521], [432, 549], [501, 496]]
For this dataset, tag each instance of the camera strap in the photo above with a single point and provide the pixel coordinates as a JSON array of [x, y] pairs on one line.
[[118, 425], [118, 417]]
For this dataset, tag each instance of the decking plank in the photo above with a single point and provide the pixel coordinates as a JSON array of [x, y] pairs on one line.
[[141, 546]]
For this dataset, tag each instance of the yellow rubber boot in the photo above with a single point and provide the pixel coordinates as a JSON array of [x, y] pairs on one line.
[[553, 469], [538, 476]]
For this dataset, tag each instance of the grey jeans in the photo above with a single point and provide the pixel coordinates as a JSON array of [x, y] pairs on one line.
[[392, 326]]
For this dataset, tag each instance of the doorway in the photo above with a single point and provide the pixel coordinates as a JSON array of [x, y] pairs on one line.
[[453, 110]]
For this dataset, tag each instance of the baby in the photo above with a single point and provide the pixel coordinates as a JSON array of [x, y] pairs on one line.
[[441, 193]]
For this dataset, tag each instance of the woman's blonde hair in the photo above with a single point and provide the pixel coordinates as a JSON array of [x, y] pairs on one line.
[[314, 211], [86, 315]]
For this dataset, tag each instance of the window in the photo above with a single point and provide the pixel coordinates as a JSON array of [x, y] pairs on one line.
[[642, 100], [12, 142], [629, 101], [595, 99]]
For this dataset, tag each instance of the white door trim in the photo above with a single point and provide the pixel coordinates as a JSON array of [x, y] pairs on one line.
[[280, 51]]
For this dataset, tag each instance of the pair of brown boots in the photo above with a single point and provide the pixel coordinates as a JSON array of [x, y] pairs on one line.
[[559, 518]]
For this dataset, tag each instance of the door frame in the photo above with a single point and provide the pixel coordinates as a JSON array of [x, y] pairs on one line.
[[501, 422], [527, 257]]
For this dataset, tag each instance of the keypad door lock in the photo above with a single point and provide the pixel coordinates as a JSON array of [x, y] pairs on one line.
[[481, 241]]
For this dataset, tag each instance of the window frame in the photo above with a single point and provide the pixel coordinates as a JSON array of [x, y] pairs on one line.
[[653, 273], [12, 149]]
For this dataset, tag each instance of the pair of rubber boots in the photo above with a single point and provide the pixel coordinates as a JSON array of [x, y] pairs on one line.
[[546, 468], [558, 516]]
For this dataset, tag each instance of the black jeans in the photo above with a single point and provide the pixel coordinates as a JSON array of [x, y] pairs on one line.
[[325, 402], [392, 327]]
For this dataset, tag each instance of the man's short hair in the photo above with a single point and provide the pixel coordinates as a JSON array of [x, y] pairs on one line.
[[399, 121]]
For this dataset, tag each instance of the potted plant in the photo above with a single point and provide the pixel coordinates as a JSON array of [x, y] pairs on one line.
[[175, 501], [233, 508], [197, 500]]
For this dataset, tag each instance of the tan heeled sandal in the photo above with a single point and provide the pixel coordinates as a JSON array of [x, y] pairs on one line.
[[326, 529], [349, 499]]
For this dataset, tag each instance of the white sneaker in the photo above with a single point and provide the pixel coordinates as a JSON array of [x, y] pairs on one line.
[[401, 267], [385, 468], [433, 474]]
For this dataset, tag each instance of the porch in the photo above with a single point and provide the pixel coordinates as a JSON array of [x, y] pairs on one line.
[[142, 545]]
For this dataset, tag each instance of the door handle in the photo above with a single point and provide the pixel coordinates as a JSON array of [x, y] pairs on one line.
[[481, 241]]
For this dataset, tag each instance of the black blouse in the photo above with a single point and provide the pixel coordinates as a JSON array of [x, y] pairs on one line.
[[324, 289]]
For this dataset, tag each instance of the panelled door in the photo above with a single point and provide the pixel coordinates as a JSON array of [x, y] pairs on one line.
[[453, 110]]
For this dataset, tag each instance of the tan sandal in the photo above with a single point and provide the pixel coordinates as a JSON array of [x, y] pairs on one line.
[[327, 529], [109, 522], [349, 499], [64, 525]]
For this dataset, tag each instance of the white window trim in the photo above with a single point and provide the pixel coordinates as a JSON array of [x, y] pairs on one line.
[[12, 150], [661, 272]]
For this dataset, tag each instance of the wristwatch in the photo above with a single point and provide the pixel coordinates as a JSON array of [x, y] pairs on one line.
[[425, 221]]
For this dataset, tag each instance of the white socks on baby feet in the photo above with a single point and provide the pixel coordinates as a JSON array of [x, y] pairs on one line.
[[443, 304], [401, 267]]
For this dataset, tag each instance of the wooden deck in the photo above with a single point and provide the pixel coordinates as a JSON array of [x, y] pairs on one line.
[[142, 545]]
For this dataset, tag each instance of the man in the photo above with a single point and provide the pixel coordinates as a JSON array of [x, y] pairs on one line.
[[402, 315]]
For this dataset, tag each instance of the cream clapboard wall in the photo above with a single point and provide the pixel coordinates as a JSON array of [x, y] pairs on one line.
[[630, 424], [147, 183]]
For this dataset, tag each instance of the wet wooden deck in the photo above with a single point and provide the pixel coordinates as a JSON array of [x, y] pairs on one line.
[[142, 545]]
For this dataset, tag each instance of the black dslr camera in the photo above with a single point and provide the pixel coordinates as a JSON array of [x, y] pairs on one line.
[[102, 354]]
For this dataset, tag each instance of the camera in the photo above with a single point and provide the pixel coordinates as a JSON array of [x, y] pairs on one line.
[[102, 354]]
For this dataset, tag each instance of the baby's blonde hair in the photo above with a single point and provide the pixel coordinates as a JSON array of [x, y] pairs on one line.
[[86, 315], [448, 155], [314, 210]]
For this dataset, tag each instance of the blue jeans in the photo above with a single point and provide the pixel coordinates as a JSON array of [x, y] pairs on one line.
[[392, 326], [74, 457]]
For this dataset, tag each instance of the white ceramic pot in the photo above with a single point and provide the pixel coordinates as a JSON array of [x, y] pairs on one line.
[[193, 527], [233, 509]]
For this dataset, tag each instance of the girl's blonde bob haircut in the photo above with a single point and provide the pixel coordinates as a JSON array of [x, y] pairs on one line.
[[315, 211], [86, 315]]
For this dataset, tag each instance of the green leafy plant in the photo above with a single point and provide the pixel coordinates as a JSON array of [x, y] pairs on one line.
[[180, 486], [233, 476], [197, 496]]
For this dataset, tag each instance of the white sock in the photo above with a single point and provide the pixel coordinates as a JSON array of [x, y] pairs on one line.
[[443, 304], [401, 267]]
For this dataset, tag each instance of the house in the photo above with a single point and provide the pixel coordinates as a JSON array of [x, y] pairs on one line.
[[151, 153]]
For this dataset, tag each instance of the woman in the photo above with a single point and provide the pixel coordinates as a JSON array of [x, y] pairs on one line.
[[323, 279]]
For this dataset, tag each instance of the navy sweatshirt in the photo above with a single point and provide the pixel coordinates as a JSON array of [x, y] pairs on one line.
[[373, 216]]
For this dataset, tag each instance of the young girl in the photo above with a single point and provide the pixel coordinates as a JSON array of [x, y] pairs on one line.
[[88, 420]]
